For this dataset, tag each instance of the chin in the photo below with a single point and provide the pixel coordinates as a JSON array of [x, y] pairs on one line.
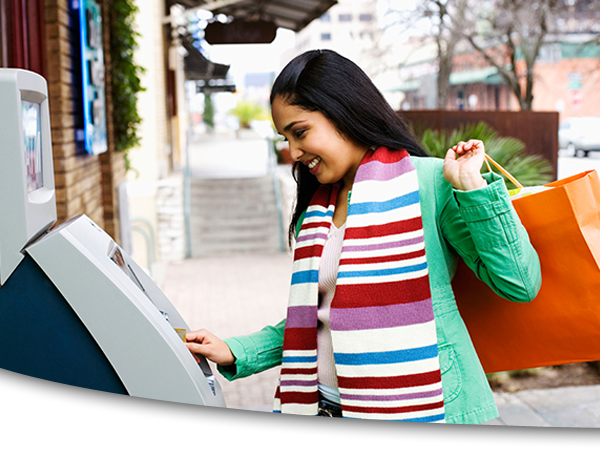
[[324, 180]]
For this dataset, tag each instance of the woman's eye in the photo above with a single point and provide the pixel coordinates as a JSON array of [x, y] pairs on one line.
[[298, 134]]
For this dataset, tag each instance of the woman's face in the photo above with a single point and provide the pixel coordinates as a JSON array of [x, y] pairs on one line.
[[316, 143]]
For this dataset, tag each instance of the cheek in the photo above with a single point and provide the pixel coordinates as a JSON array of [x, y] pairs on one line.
[[331, 171]]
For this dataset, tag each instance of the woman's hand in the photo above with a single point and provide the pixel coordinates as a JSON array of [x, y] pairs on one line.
[[462, 165], [210, 346]]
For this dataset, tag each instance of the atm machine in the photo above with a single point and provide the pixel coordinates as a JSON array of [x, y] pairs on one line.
[[74, 307]]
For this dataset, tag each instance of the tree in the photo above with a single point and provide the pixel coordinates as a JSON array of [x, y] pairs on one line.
[[449, 17], [208, 116], [513, 31], [440, 20], [508, 34]]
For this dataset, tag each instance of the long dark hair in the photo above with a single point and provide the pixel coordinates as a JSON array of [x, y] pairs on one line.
[[324, 81]]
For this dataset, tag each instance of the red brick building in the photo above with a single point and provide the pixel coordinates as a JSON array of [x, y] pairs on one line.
[[37, 35], [566, 79]]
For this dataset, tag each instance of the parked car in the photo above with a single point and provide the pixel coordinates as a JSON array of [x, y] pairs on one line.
[[580, 133]]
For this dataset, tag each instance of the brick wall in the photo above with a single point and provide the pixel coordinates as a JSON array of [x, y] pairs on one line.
[[112, 163], [553, 90], [84, 183]]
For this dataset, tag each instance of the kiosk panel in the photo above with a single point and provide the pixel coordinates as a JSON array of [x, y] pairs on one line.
[[27, 199], [130, 318], [108, 325]]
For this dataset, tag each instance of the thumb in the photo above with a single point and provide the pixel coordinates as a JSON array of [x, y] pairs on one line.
[[197, 348], [450, 154]]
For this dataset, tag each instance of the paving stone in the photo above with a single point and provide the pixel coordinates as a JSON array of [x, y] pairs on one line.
[[234, 295], [514, 412], [565, 407]]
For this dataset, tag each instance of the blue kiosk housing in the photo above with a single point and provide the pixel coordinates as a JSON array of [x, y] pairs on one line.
[[74, 307]]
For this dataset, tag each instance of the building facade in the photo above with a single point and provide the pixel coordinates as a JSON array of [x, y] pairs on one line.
[[142, 209], [39, 36], [405, 70], [348, 27], [566, 80]]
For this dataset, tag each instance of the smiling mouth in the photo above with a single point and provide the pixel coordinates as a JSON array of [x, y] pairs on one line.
[[314, 162]]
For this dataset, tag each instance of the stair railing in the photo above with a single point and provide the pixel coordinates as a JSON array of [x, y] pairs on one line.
[[277, 188]]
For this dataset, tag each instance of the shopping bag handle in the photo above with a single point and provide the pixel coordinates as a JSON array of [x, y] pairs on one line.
[[502, 170]]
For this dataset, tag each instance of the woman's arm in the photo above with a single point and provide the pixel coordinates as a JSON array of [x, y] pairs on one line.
[[254, 353], [485, 230], [480, 222]]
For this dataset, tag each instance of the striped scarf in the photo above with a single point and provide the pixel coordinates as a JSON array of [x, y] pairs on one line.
[[382, 322]]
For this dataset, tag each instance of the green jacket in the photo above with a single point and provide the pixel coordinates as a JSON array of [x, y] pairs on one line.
[[482, 227]]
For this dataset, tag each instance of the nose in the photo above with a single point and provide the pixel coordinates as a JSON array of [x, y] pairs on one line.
[[295, 152]]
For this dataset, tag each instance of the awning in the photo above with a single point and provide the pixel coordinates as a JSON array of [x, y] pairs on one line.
[[488, 75], [290, 14], [407, 86], [197, 67]]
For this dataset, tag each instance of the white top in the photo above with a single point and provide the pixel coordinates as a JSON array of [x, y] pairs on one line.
[[328, 269]]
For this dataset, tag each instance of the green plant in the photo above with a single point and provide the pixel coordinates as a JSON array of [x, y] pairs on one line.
[[246, 111], [509, 152], [208, 116], [125, 75]]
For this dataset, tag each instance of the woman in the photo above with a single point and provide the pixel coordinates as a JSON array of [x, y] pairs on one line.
[[373, 330]]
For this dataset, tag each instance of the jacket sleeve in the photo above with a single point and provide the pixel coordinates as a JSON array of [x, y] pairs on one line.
[[256, 352], [485, 230]]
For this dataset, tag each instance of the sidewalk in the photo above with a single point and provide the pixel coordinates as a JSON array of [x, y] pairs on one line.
[[224, 156], [237, 295], [240, 294]]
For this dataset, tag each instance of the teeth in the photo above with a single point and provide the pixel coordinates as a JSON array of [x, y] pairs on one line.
[[314, 162]]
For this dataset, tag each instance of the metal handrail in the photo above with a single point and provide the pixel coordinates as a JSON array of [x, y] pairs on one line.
[[149, 238], [277, 188]]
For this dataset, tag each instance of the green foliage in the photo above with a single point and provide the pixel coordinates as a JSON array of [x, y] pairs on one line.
[[125, 74], [246, 111], [510, 153], [208, 116]]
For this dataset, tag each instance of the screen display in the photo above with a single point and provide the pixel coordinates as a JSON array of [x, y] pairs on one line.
[[116, 255], [32, 135]]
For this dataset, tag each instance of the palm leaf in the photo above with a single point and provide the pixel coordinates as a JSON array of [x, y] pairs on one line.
[[509, 152]]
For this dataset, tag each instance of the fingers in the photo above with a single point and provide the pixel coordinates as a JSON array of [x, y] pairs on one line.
[[210, 346], [451, 154], [472, 145], [197, 335], [462, 165]]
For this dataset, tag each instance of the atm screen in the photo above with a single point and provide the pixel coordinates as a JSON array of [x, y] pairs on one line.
[[32, 135], [116, 255]]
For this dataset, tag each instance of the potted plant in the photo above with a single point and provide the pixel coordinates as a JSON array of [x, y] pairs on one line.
[[247, 111]]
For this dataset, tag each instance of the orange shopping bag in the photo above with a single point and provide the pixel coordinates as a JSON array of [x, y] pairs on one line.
[[562, 324]]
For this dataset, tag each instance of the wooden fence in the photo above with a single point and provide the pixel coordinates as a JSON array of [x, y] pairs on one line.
[[538, 130]]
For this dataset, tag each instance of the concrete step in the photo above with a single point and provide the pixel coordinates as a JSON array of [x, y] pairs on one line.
[[203, 249], [268, 227], [231, 186], [251, 209], [235, 224], [234, 215]]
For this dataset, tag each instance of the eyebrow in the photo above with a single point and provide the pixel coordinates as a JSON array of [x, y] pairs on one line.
[[289, 127]]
